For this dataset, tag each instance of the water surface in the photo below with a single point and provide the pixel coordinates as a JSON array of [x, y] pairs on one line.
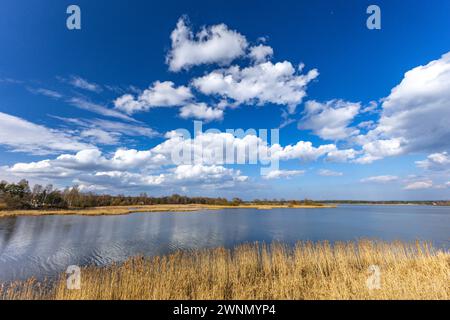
[[44, 246]]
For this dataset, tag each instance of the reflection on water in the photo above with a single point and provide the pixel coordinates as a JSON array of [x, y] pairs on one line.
[[44, 246]]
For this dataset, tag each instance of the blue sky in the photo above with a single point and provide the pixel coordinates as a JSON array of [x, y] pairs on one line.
[[362, 114]]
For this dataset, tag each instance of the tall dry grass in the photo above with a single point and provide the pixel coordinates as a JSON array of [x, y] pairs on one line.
[[258, 271]]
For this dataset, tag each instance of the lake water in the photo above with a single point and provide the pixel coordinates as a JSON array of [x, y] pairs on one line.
[[44, 246]]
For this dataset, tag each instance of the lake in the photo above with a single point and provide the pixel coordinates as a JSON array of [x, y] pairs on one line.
[[44, 246]]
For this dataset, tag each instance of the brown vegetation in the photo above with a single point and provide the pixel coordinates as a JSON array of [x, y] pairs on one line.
[[119, 210], [21, 199], [255, 271]]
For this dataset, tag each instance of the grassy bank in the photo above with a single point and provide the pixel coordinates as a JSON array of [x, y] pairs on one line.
[[118, 210], [308, 271]]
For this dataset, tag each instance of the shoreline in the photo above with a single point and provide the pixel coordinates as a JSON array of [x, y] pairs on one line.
[[388, 204], [125, 210]]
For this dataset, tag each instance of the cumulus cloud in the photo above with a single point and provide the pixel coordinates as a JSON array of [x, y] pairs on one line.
[[418, 109], [216, 177], [330, 120], [226, 148], [415, 116], [262, 83], [260, 53], [380, 179], [21, 135], [419, 185], [207, 174], [160, 94], [344, 155], [302, 150], [329, 173], [277, 174], [126, 168], [435, 162], [370, 108], [87, 159], [370, 124], [379, 149], [201, 111], [202, 161], [213, 44], [118, 180]]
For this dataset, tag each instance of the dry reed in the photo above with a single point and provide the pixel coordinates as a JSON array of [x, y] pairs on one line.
[[123, 210], [259, 271]]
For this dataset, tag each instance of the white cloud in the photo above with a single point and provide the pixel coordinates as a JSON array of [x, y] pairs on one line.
[[99, 109], [206, 174], [46, 92], [415, 116], [370, 108], [260, 53], [24, 136], [201, 111], [81, 83], [302, 150], [118, 180], [418, 185], [330, 120], [85, 160], [277, 174], [107, 132], [329, 173], [343, 155], [159, 166], [185, 175], [160, 94], [225, 148], [124, 170], [436, 162], [128, 129], [100, 136], [262, 83], [378, 149], [370, 124], [380, 179], [213, 44]]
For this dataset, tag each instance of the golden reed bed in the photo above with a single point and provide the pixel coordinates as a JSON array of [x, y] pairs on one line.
[[121, 210], [257, 271]]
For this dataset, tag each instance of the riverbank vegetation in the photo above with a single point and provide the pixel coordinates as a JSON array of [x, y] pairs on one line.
[[363, 270], [20, 196], [392, 202], [119, 210]]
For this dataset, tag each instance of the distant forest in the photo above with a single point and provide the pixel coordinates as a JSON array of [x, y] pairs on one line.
[[14, 196], [392, 202]]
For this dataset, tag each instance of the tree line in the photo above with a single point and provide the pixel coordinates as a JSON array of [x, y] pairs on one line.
[[393, 202], [21, 196]]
